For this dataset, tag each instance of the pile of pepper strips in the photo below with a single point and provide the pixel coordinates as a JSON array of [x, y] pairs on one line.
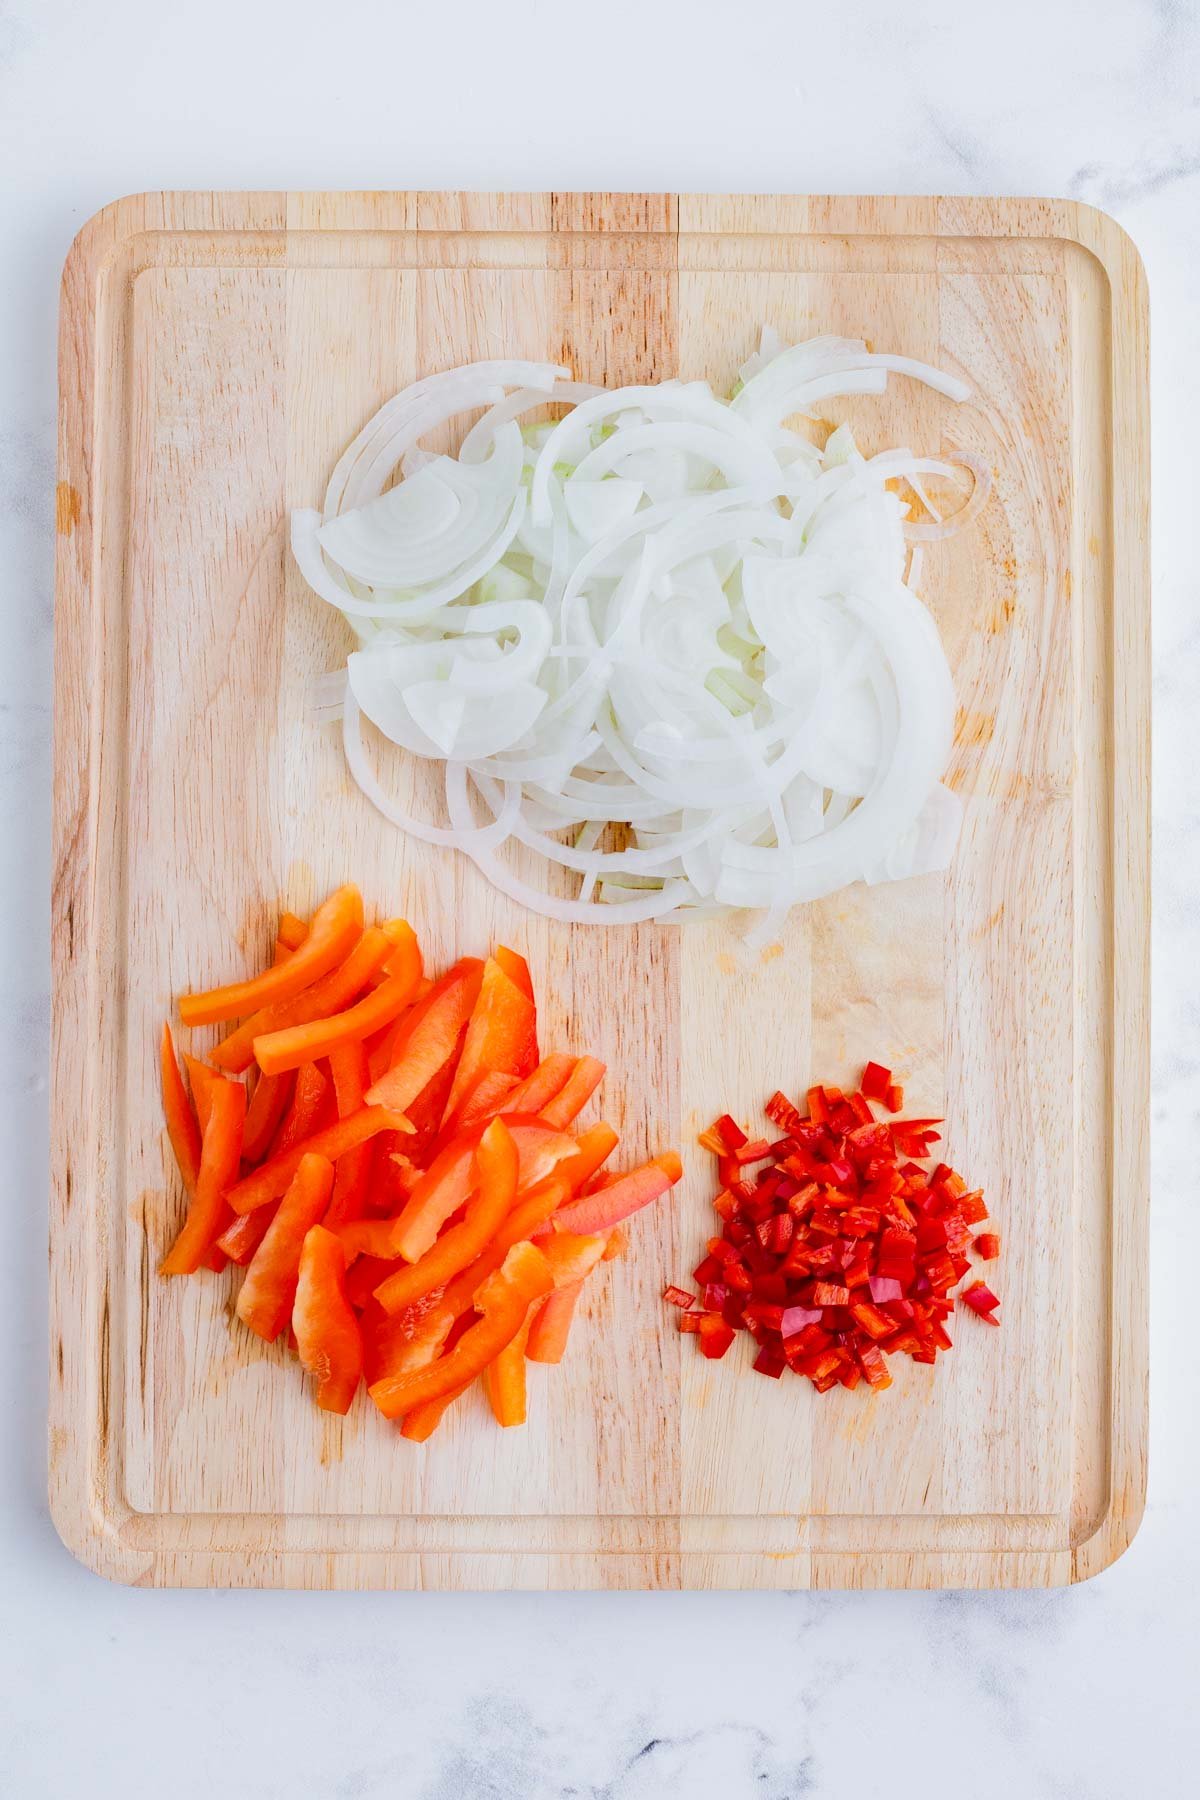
[[401, 1183]]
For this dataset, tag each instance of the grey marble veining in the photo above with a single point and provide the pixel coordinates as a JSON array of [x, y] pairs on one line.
[[1084, 1695]]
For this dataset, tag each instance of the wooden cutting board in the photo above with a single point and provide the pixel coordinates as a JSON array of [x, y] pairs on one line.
[[217, 352]]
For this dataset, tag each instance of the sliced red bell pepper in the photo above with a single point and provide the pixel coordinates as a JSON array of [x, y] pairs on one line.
[[265, 1300], [593, 1148], [307, 1110], [335, 928], [501, 1034], [485, 1100], [245, 1232], [273, 1178], [628, 1194], [220, 1155], [329, 995], [503, 1301], [431, 1039], [496, 1168], [327, 1335]]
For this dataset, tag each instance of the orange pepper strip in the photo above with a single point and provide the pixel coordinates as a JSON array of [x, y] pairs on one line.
[[268, 1103], [505, 1378], [485, 1100], [447, 1184], [517, 970], [276, 1051], [628, 1194], [500, 1034], [292, 931], [329, 995], [241, 1238], [503, 1301], [595, 1146], [327, 1334], [182, 1127], [303, 1116], [433, 1038], [548, 1079], [551, 1324], [496, 1167], [275, 1176], [335, 928], [566, 1105], [531, 1211], [572, 1255], [423, 1420], [203, 1079], [220, 1155], [348, 1066], [365, 1237], [265, 1300]]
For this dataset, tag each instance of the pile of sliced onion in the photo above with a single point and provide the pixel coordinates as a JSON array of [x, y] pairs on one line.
[[664, 643]]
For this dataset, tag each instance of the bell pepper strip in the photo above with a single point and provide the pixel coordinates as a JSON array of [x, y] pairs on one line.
[[500, 1034], [328, 1338], [363, 1275], [335, 928], [623, 1197], [448, 1183], [310, 1097], [593, 1148], [504, 1379], [420, 1424], [571, 1099], [332, 994], [529, 1216], [268, 1103], [539, 1088], [517, 970], [246, 1231], [348, 1067], [183, 1129], [551, 1324], [277, 1051], [572, 1255], [485, 1099], [220, 1155], [433, 1037], [496, 1169], [292, 931], [503, 1301], [844, 1250], [366, 1237], [201, 1080], [264, 1302], [273, 1178]]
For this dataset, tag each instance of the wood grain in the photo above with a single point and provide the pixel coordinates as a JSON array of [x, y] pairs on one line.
[[217, 350]]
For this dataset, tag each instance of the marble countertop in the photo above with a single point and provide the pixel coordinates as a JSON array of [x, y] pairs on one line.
[[1080, 1695]]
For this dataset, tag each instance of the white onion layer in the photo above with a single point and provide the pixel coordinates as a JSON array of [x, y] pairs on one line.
[[665, 616]]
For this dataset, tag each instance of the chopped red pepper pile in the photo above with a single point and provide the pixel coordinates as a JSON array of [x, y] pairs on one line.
[[837, 1247], [405, 1182]]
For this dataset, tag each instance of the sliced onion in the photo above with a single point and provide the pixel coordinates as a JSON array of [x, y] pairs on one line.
[[664, 612]]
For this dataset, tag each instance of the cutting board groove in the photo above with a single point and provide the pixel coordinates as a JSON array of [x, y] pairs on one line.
[[217, 350]]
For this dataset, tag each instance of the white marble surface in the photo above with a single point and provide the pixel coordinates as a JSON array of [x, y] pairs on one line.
[[1084, 1695]]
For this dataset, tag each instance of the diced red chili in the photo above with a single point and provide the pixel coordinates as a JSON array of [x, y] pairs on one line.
[[842, 1246], [677, 1296]]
